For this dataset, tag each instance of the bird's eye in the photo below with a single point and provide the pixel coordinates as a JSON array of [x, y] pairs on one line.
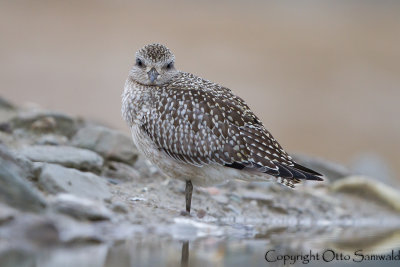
[[139, 62], [170, 65]]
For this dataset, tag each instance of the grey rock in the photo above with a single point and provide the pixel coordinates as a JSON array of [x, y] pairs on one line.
[[57, 179], [12, 257], [6, 138], [30, 230], [111, 144], [67, 156], [221, 198], [43, 232], [373, 165], [51, 139], [6, 213], [120, 171], [7, 112], [45, 124], [119, 207], [80, 208], [370, 190], [4, 126], [79, 231], [26, 165], [15, 190], [45, 120], [145, 168], [4, 104]]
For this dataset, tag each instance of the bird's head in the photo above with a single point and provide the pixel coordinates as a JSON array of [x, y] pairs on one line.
[[154, 65]]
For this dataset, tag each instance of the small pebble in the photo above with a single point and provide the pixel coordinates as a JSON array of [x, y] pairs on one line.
[[44, 124], [119, 207], [201, 213], [5, 127], [133, 199]]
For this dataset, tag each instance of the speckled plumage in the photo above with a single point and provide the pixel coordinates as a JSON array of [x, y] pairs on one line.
[[156, 53], [197, 130]]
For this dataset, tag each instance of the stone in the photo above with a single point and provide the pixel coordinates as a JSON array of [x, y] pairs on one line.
[[6, 213], [45, 124], [16, 257], [370, 190], [111, 144], [201, 213], [4, 104], [120, 171], [7, 112], [67, 156], [5, 127], [373, 165], [15, 190], [222, 199], [145, 168], [45, 121], [58, 179], [52, 139], [43, 232], [25, 164], [30, 230], [80, 208], [119, 207]]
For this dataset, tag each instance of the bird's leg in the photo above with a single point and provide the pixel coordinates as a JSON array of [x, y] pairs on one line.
[[188, 195]]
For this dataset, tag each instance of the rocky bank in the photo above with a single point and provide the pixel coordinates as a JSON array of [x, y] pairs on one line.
[[67, 181]]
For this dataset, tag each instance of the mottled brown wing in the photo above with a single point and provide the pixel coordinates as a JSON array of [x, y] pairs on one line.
[[265, 148], [189, 126], [211, 125]]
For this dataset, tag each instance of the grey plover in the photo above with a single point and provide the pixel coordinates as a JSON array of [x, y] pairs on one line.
[[199, 131]]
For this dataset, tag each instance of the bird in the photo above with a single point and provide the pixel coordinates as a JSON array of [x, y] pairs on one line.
[[198, 131]]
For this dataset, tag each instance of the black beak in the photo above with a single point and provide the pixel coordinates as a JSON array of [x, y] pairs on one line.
[[153, 74]]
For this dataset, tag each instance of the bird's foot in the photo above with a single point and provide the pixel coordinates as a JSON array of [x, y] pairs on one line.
[[185, 213]]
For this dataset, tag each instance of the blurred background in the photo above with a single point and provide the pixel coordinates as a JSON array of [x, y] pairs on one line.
[[324, 77]]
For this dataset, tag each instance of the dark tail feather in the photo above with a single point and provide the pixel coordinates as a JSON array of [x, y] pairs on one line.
[[304, 169], [286, 172], [298, 172]]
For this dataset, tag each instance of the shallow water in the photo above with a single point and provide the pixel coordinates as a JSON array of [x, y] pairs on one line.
[[197, 244]]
